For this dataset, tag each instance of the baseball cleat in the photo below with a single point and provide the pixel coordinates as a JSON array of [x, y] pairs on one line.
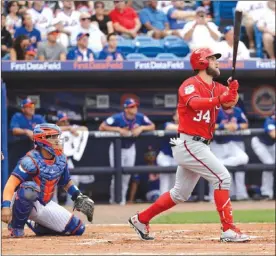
[[141, 229], [234, 236], [16, 232]]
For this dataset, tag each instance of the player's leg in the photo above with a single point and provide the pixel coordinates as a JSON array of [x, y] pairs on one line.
[[112, 184], [219, 151], [22, 207], [53, 219], [185, 182], [198, 158], [164, 160], [266, 154], [128, 160]]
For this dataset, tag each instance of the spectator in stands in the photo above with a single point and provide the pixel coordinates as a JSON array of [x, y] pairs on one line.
[[97, 39], [81, 52], [208, 5], [28, 30], [155, 22], [137, 5], [125, 20], [267, 25], [51, 49], [13, 20], [30, 54], [84, 6], [22, 124], [178, 15], [23, 7], [18, 50], [226, 46], [252, 12], [63, 34], [200, 32], [6, 38], [165, 6], [110, 52], [42, 17], [103, 21], [69, 16]]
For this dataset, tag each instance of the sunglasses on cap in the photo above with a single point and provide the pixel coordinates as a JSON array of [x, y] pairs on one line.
[[83, 19]]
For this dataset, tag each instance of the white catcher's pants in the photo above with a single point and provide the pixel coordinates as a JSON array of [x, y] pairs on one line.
[[127, 160], [266, 155], [232, 154], [167, 180]]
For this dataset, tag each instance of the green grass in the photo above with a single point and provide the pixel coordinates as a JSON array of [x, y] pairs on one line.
[[243, 216]]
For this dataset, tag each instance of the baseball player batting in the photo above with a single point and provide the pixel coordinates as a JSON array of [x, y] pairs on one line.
[[199, 99], [33, 182]]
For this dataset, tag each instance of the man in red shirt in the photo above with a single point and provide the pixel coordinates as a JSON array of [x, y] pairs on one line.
[[125, 19], [199, 101]]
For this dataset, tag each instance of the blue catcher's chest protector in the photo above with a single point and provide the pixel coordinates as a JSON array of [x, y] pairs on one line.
[[48, 175]]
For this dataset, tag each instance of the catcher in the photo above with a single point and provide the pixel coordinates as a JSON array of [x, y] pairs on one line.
[[33, 182]]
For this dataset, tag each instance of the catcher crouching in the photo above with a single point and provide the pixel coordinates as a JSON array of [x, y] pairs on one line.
[[33, 182]]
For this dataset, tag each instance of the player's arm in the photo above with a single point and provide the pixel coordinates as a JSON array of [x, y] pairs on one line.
[[270, 128], [171, 127], [81, 202], [242, 121], [147, 124], [22, 172]]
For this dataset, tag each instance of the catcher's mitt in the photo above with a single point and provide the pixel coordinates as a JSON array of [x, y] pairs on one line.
[[85, 205]]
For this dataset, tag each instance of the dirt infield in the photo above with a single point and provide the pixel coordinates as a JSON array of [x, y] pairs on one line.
[[120, 239], [169, 239]]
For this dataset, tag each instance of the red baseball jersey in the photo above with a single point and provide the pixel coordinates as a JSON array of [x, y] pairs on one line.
[[200, 122]]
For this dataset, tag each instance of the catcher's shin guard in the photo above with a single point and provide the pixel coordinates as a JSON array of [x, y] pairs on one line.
[[74, 227], [23, 204]]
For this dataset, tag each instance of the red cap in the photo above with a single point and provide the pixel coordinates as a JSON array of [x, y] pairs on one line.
[[199, 57]]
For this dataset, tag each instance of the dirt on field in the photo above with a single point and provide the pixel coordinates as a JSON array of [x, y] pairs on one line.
[[105, 238]]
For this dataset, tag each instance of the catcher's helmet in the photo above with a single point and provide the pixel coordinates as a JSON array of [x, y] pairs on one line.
[[199, 57], [47, 136]]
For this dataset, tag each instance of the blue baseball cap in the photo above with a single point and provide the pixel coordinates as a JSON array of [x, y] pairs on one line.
[[130, 103], [27, 103], [62, 116], [81, 35], [227, 29]]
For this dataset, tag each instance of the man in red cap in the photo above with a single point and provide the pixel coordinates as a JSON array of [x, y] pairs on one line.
[[200, 99]]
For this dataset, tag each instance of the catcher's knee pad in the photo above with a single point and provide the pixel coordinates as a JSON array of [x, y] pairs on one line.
[[75, 227], [23, 204], [28, 191]]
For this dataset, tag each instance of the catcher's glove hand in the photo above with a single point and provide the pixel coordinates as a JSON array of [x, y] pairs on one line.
[[85, 205]]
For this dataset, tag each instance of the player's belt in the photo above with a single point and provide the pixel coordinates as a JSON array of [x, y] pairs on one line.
[[184, 136], [198, 138]]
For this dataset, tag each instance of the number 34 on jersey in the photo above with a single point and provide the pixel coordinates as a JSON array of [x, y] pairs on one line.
[[203, 116]]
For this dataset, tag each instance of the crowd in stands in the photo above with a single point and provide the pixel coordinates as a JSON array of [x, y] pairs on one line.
[[88, 30]]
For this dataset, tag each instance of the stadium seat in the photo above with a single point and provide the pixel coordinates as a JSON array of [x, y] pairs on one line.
[[136, 56], [166, 56], [176, 45], [126, 46], [259, 42], [224, 12], [148, 46]]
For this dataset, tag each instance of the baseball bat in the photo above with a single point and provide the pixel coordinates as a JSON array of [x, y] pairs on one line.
[[237, 31]]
